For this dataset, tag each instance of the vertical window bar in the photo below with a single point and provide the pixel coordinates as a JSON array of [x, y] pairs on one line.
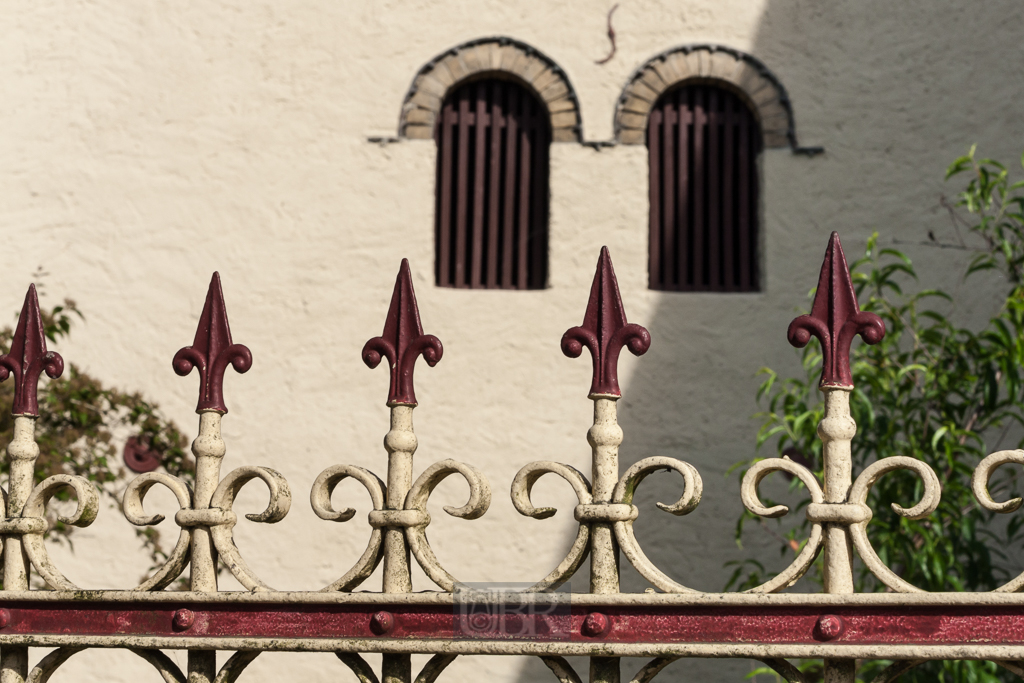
[[744, 222], [673, 222], [539, 215], [511, 147], [494, 198], [728, 214], [684, 118], [524, 192], [479, 180], [462, 193], [714, 199], [699, 130], [444, 210], [655, 270]]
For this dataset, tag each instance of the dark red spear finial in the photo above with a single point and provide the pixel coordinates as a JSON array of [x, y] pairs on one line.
[[604, 331], [402, 341], [835, 319], [29, 357], [211, 351]]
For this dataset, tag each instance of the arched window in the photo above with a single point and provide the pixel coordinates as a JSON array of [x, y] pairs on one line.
[[703, 142], [491, 217]]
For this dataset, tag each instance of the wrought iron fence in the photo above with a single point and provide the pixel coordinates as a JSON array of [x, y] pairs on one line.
[[664, 624]]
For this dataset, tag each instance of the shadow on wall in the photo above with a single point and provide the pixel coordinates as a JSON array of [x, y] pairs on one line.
[[893, 92]]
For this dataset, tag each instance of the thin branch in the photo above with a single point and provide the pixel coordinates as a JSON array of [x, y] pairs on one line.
[[611, 36]]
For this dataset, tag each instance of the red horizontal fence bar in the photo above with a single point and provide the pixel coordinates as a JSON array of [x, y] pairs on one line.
[[797, 625]]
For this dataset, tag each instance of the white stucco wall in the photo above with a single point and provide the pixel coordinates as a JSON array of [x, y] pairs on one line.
[[146, 144]]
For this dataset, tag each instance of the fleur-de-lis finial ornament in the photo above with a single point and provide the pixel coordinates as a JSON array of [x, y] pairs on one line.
[[402, 341], [28, 358], [604, 331], [211, 351], [835, 319]]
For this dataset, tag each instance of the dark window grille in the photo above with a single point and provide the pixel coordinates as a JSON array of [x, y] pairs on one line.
[[703, 143], [491, 217]]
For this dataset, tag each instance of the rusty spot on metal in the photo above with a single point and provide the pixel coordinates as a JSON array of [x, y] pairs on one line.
[[830, 627], [5, 617], [402, 341], [211, 351], [28, 358], [382, 622], [183, 619], [835, 319], [604, 331], [595, 624]]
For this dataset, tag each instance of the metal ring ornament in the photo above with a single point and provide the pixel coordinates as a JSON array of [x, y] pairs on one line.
[[88, 499], [693, 487], [476, 506], [224, 498], [320, 499], [926, 506], [979, 485], [748, 493], [522, 487], [134, 512]]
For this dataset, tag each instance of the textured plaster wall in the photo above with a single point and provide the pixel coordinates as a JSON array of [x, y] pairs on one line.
[[146, 144]]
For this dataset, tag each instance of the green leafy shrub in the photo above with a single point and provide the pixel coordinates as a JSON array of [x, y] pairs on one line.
[[933, 390]]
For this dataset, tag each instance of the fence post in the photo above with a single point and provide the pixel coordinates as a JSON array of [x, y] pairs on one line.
[[401, 343], [27, 360], [835, 319], [604, 331], [211, 352]]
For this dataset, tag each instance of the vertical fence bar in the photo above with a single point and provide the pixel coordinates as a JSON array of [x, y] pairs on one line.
[[21, 453], [209, 450], [400, 443], [671, 219], [604, 436]]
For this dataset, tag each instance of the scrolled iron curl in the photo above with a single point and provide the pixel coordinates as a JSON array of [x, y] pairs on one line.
[[748, 493], [134, 512], [224, 498], [522, 488], [693, 488], [320, 498], [87, 507], [476, 506]]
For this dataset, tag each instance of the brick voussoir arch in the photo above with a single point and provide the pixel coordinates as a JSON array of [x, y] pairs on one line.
[[489, 57], [731, 68]]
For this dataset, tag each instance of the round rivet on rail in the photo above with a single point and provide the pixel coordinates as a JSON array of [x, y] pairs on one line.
[[5, 617], [596, 624], [382, 622], [830, 626], [183, 619]]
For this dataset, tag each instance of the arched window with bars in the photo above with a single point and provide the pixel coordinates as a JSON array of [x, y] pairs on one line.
[[703, 141], [491, 215]]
